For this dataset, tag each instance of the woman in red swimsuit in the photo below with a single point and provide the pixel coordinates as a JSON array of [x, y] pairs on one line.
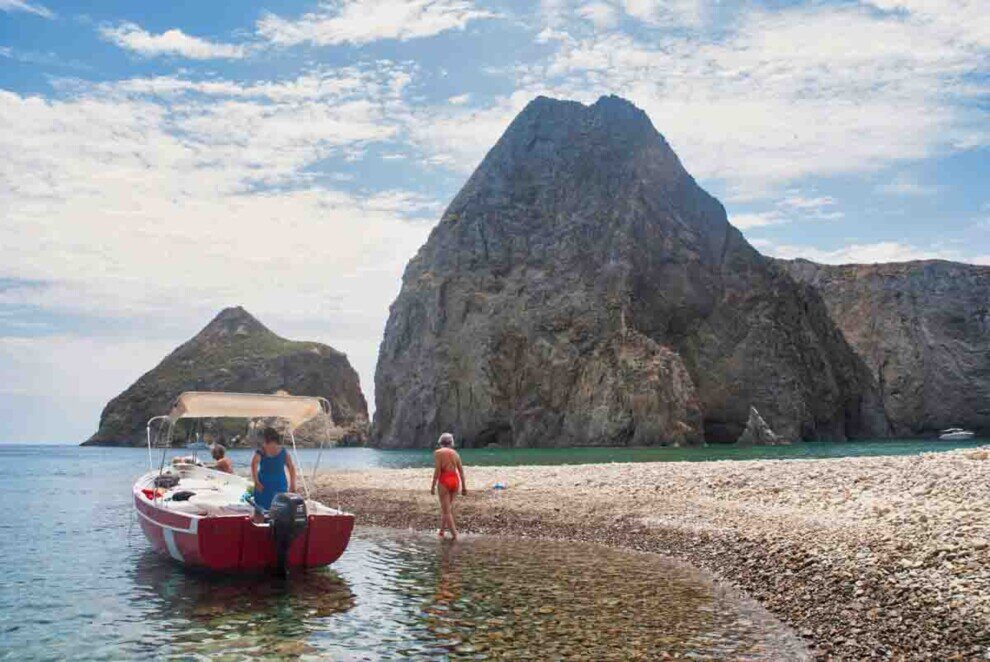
[[449, 473]]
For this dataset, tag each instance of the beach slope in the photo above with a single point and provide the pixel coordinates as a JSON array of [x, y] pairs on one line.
[[879, 557]]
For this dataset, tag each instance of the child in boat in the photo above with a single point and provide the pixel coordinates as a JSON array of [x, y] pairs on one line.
[[223, 463], [448, 471], [269, 466]]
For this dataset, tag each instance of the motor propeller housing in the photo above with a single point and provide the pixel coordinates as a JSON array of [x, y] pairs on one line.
[[288, 520]]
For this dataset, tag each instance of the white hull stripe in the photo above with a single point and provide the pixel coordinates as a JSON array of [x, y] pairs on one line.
[[193, 526], [173, 549]]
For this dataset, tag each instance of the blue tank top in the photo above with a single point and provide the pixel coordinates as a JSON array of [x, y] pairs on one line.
[[271, 473]]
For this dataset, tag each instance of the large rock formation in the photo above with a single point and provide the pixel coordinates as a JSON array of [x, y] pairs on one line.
[[923, 329], [583, 289], [236, 352]]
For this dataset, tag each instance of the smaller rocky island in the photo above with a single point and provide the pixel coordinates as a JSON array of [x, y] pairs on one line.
[[237, 353]]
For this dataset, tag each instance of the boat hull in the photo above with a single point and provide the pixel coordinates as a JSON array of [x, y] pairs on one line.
[[238, 544]]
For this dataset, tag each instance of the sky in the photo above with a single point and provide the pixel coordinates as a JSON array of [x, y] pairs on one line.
[[160, 161]]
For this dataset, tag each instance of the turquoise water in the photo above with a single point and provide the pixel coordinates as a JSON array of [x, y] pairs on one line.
[[367, 458], [522, 456], [81, 582]]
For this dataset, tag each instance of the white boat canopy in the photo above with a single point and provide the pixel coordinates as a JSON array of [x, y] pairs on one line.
[[296, 409]]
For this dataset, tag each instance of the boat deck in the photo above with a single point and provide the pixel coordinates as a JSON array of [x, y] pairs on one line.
[[214, 493]]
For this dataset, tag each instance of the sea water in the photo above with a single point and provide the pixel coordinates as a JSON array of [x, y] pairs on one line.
[[79, 581]]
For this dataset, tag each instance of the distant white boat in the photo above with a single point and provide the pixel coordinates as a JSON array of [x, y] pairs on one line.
[[955, 434]]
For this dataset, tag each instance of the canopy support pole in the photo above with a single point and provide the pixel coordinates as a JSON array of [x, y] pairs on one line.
[[327, 418], [151, 462], [299, 468]]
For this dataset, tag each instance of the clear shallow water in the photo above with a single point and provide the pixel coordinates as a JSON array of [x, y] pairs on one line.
[[80, 582]]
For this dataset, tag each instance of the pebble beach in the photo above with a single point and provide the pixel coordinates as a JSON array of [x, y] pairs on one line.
[[865, 558]]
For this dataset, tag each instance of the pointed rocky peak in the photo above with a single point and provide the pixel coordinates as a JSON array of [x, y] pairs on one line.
[[556, 154], [581, 224], [611, 113], [611, 123], [233, 322]]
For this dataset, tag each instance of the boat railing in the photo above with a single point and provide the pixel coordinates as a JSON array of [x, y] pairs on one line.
[[151, 462]]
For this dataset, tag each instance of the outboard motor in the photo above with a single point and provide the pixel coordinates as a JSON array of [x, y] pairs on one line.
[[288, 520]]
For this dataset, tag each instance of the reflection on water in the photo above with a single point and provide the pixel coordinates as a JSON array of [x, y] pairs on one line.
[[206, 614], [400, 594]]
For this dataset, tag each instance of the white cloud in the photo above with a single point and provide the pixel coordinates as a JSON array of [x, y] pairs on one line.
[[798, 201], [365, 21], [43, 58], [904, 185], [907, 188], [793, 207], [460, 99], [253, 133], [746, 221], [865, 253], [960, 21], [667, 12], [458, 137], [406, 203], [24, 6], [171, 42], [548, 35], [384, 82], [600, 14]]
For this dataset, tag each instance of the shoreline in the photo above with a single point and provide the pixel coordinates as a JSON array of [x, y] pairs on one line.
[[864, 557]]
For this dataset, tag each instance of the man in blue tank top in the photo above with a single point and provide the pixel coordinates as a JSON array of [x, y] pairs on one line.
[[268, 467]]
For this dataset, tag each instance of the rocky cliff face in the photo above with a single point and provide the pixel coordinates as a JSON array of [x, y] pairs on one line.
[[922, 328], [583, 289], [237, 353]]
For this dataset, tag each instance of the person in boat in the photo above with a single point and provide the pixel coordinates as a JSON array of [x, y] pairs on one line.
[[269, 467], [448, 473], [222, 462]]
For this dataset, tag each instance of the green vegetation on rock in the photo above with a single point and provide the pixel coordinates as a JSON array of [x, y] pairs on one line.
[[237, 353]]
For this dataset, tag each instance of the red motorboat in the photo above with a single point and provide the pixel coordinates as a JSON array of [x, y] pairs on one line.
[[205, 518]]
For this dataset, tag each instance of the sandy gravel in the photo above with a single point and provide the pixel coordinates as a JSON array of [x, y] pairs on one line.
[[867, 558]]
